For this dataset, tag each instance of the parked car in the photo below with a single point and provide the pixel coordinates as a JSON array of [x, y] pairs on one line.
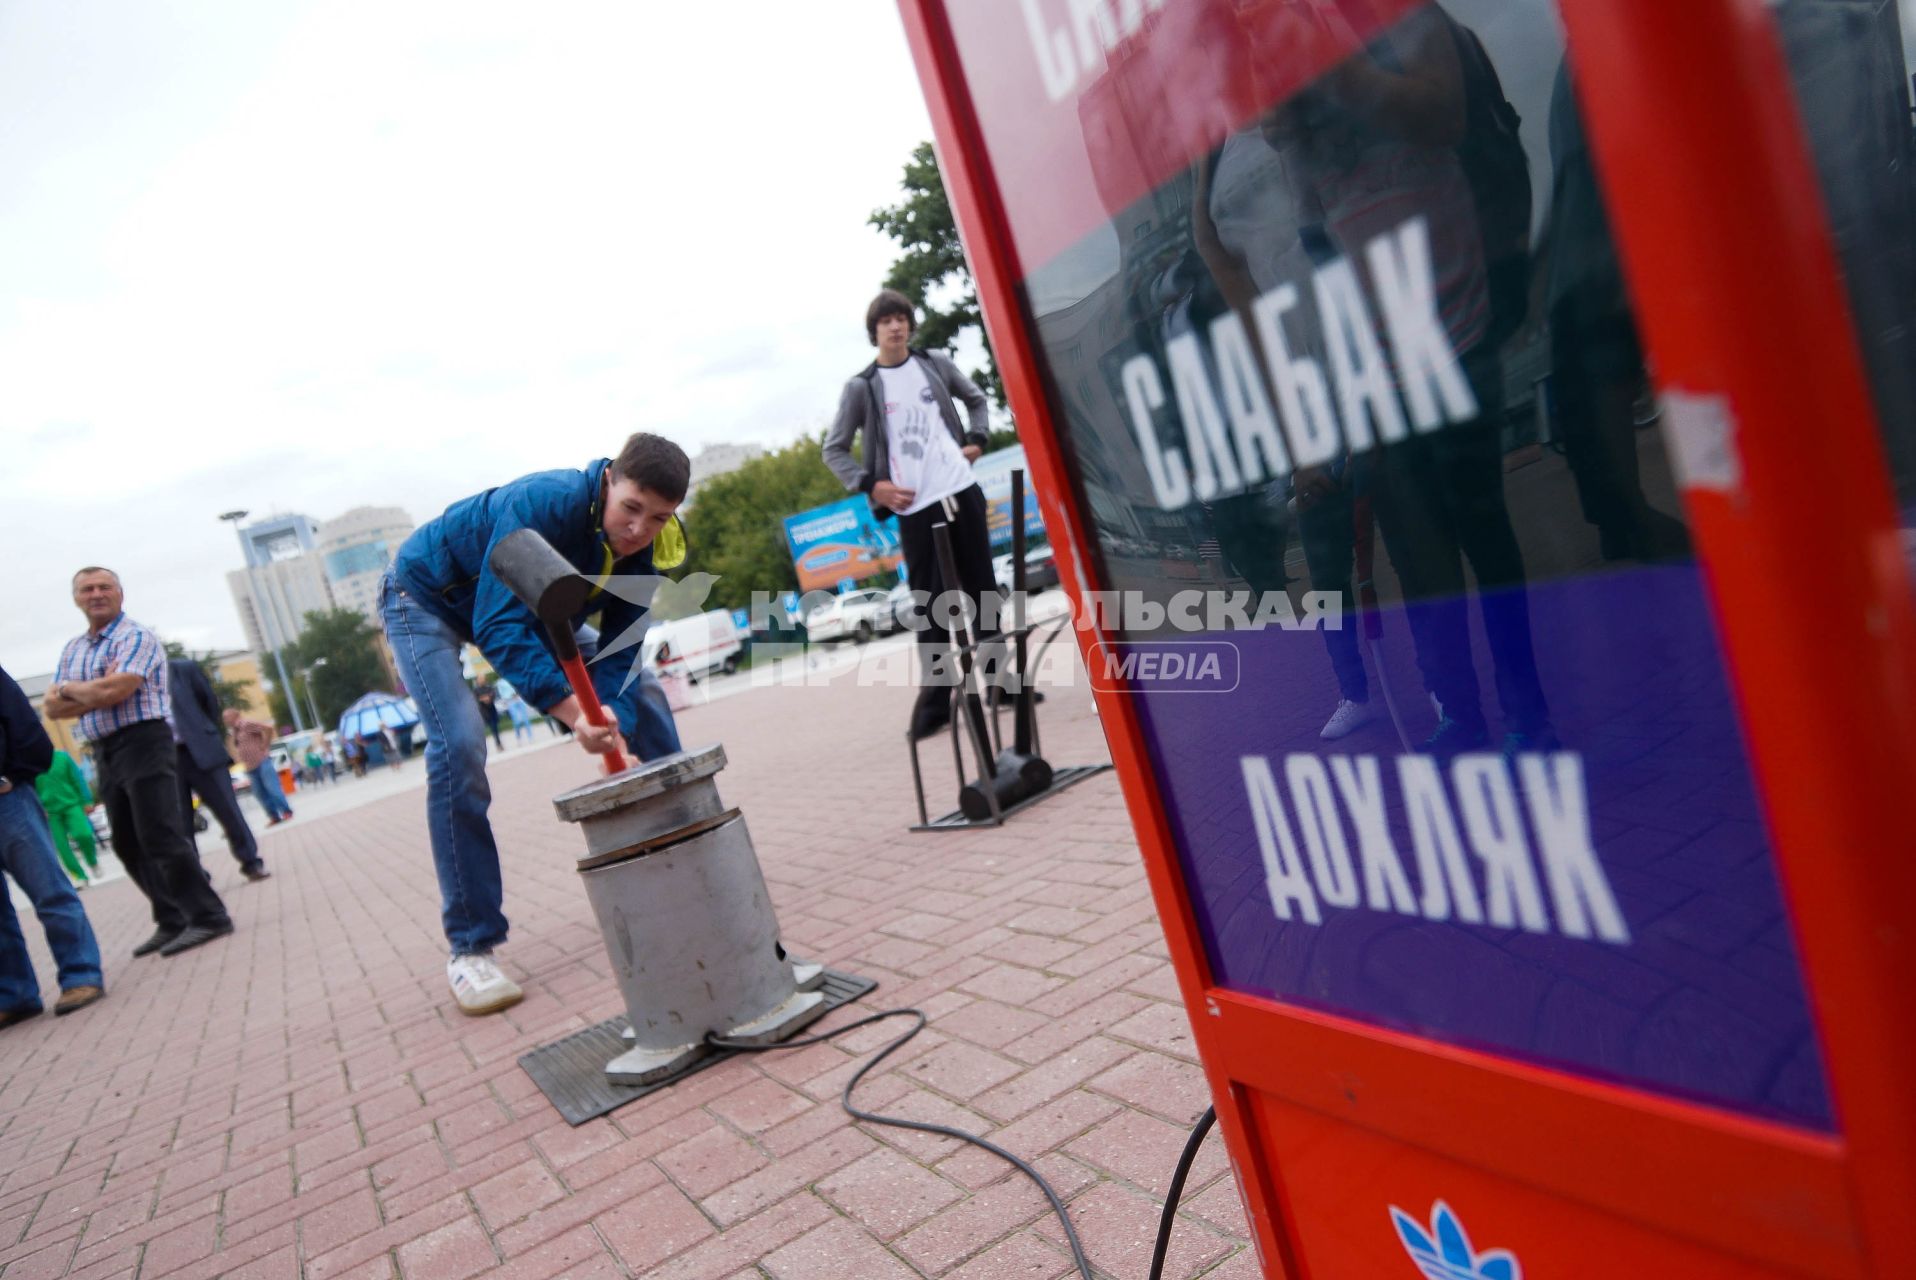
[[859, 615], [1041, 569], [693, 647], [900, 597]]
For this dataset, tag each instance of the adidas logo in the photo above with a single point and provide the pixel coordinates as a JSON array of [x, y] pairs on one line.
[[1443, 1251]]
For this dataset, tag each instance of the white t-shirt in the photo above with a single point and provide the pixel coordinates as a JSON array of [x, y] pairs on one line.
[[924, 457]]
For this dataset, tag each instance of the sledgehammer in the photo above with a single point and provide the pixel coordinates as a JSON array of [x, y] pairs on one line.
[[554, 591]]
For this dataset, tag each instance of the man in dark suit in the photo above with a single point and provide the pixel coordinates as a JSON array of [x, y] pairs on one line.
[[204, 763]]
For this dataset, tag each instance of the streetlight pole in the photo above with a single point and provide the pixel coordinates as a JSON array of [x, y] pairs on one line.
[[312, 705], [268, 631]]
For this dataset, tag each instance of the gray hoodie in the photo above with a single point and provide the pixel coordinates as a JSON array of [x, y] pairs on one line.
[[862, 408]]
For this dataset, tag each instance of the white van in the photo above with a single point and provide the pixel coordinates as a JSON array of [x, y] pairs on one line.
[[692, 647]]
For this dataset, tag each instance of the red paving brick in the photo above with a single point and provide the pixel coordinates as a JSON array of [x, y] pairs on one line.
[[300, 1100]]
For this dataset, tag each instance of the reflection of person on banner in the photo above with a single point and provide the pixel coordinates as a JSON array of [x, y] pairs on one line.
[[915, 463], [1597, 369], [1415, 125], [1251, 529], [1253, 223]]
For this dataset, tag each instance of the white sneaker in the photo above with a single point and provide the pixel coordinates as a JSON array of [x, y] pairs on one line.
[[479, 986], [1349, 717]]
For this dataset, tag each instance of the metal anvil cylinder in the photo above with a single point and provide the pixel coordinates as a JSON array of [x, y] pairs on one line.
[[685, 914]]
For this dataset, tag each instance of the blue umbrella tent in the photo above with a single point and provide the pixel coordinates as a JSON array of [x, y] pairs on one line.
[[376, 711]]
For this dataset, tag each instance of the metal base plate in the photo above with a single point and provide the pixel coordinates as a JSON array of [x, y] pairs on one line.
[[1062, 777], [647, 1066], [571, 1072]]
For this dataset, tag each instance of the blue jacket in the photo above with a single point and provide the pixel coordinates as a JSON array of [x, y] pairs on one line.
[[444, 566]]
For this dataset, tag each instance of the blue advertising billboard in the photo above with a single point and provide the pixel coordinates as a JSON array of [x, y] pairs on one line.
[[840, 541], [994, 477]]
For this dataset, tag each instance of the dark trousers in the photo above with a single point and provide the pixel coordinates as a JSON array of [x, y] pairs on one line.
[[1329, 535], [1440, 502], [140, 787], [970, 548], [214, 787]]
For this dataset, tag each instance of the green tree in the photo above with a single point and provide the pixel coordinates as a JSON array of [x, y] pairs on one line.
[[931, 259], [336, 659], [736, 529]]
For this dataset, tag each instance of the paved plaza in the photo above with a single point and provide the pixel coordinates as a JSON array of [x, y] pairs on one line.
[[303, 1098]]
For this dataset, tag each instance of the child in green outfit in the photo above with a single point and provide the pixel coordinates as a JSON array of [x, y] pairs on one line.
[[66, 797]]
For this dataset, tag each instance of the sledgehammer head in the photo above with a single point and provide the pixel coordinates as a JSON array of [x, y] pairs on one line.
[[545, 581]]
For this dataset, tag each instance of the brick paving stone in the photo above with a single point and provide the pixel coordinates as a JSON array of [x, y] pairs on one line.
[[338, 1224], [759, 1106], [959, 1070], [652, 1228], [1040, 1131], [452, 1252], [781, 1178], [1023, 1257], [578, 1253], [302, 1099], [1119, 1227], [980, 1221], [1143, 1151], [1167, 1087], [1064, 1071], [887, 1193], [712, 1159], [505, 1198], [257, 1194], [281, 1264], [836, 1251], [173, 1251], [1218, 1204], [736, 1250]]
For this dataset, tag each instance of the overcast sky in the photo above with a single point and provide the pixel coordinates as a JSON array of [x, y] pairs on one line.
[[301, 255]]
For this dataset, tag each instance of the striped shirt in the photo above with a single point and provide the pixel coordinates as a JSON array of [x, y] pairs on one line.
[[125, 647]]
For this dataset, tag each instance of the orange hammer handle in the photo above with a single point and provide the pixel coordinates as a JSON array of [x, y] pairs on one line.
[[589, 700]]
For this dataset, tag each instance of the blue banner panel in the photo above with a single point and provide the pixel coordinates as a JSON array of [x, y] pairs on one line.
[[841, 541]]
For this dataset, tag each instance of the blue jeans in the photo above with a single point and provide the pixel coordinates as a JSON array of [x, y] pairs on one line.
[[266, 789], [464, 852], [26, 854]]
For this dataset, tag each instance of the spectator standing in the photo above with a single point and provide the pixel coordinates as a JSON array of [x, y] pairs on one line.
[[67, 799], [112, 680], [914, 463], [253, 742], [489, 711], [26, 853], [205, 768], [521, 719]]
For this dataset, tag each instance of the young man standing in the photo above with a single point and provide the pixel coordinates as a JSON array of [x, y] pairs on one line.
[[113, 681], [441, 594], [915, 463]]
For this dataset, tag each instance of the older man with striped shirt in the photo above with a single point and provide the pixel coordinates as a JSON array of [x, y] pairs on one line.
[[113, 681]]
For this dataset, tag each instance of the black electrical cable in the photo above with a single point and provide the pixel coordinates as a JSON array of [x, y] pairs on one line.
[[898, 1122], [1176, 1192]]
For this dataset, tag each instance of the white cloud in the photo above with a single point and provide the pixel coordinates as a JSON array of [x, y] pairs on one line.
[[302, 256]]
